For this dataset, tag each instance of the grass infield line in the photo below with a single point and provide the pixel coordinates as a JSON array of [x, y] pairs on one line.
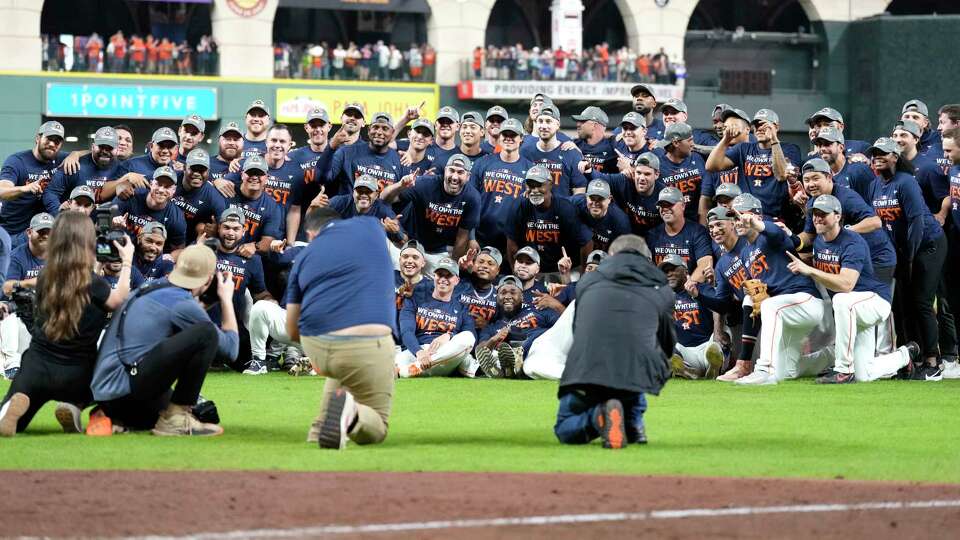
[[332, 530]]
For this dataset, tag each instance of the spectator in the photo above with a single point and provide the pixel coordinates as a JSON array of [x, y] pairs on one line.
[[339, 59], [598, 63]]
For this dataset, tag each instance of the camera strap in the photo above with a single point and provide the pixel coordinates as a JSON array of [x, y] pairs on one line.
[[142, 291]]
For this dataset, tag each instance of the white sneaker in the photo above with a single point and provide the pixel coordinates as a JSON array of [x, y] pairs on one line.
[[951, 370], [758, 378]]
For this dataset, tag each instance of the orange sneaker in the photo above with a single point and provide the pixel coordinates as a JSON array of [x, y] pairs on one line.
[[100, 424]]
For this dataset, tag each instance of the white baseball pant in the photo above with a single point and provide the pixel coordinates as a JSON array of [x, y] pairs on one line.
[[857, 316], [695, 358], [267, 320], [548, 352], [14, 340], [786, 320], [451, 356]]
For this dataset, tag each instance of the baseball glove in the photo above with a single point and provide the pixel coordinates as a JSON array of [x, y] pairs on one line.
[[757, 291]]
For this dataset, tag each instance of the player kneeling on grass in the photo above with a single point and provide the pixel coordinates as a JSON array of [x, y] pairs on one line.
[[861, 302], [436, 329], [162, 336], [507, 338], [696, 356], [622, 342]]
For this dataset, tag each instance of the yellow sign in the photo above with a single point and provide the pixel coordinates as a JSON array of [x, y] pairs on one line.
[[294, 103]]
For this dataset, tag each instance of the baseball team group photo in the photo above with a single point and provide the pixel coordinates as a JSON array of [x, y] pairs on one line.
[[565, 268]]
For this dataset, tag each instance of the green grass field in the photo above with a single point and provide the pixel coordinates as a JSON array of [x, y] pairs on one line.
[[878, 431]]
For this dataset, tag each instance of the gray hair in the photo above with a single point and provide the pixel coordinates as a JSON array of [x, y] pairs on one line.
[[630, 242]]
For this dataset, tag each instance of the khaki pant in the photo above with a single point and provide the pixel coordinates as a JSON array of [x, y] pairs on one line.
[[364, 367]]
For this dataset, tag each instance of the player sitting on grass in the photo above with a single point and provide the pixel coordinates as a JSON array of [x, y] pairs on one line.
[[437, 331], [506, 340], [696, 356]]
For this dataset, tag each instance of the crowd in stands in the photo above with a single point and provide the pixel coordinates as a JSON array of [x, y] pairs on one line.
[[136, 54], [370, 62], [598, 63]]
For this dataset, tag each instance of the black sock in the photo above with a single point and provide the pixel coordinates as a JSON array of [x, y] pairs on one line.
[[748, 338]]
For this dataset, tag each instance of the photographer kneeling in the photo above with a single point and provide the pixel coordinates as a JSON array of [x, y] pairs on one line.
[[71, 309], [163, 335]]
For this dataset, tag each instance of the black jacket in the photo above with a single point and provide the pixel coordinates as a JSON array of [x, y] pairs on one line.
[[623, 333]]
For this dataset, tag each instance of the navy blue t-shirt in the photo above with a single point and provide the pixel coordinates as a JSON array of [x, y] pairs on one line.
[[23, 265], [712, 180], [954, 175], [756, 174], [856, 210], [606, 229], [437, 215], [692, 322], [858, 177], [549, 230], [424, 318], [325, 275], [481, 303], [264, 216], [691, 243], [730, 272], [563, 166], [500, 185], [353, 161], [538, 286], [136, 279], [201, 205], [23, 168], [143, 164], [527, 324], [253, 147], [602, 156], [89, 175], [138, 214], [933, 181], [655, 129], [284, 184], [157, 269], [218, 168], [315, 166], [849, 250], [247, 275], [687, 176], [641, 209], [766, 259], [899, 203]]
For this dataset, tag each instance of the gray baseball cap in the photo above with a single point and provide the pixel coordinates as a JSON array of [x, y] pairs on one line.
[[83, 191], [230, 126], [719, 108], [413, 244], [41, 221], [198, 156], [678, 131], [727, 189], [598, 187], [910, 127], [670, 194], [884, 145], [318, 113], [593, 113], [165, 172], [50, 129], [915, 105], [366, 181], [449, 113], [106, 136], [358, 107], [497, 110], [493, 253], [675, 104], [634, 119], [512, 125], [828, 203], [816, 165], [425, 124], [550, 110], [735, 113], [259, 104], [745, 202], [720, 213], [449, 265], [255, 163], [541, 96], [672, 259], [648, 159], [164, 134], [595, 256], [529, 252], [382, 118], [637, 88], [154, 227], [510, 281], [829, 134], [537, 174], [766, 115], [460, 160], [195, 121], [233, 213], [472, 117], [825, 113]]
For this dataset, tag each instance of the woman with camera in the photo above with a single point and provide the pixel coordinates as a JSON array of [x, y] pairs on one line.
[[71, 309]]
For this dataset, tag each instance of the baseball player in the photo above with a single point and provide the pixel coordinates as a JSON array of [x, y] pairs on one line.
[[644, 104], [841, 263], [951, 150], [504, 342], [436, 329], [597, 212], [375, 158], [831, 118], [155, 204], [789, 304], [526, 266], [916, 111], [263, 216], [229, 148], [696, 355], [447, 126], [200, 202], [592, 140], [257, 121], [477, 291], [737, 122], [674, 111], [681, 167], [637, 191], [26, 174], [494, 119], [97, 167], [190, 134], [420, 138], [471, 135], [633, 137], [855, 175], [680, 236], [148, 258], [933, 180], [365, 201], [563, 166]]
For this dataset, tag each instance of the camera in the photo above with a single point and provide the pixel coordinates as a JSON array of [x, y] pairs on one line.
[[107, 233], [23, 300], [209, 297]]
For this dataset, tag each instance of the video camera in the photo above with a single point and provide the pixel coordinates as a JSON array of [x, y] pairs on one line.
[[209, 297], [23, 300], [107, 233]]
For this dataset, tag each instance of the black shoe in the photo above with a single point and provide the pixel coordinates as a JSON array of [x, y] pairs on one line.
[[913, 349], [641, 436], [926, 372], [835, 377]]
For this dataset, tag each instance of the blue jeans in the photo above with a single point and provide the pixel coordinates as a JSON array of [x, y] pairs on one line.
[[578, 408]]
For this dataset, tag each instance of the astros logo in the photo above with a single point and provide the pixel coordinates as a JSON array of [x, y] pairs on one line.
[[247, 8]]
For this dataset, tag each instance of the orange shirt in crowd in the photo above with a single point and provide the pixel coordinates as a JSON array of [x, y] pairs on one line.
[[166, 50], [119, 47], [429, 57], [477, 58], [152, 50], [93, 48], [643, 64], [137, 50]]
